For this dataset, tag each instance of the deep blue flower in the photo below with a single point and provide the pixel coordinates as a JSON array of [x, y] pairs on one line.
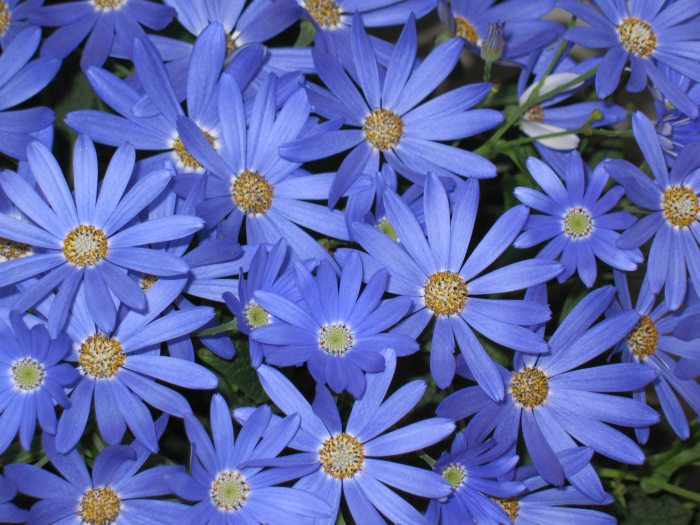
[[675, 129], [88, 239], [388, 120], [577, 220], [10, 513], [226, 488], [336, 458], [336, 330], [13, 18], [335, 17], [557, 405], [113, 25], [646, 35], [674, 207], [443, 285]]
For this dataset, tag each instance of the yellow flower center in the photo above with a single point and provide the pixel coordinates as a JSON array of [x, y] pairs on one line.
[[637, 36], [185, 157], [10, 250], [465, 29], [109, 4], [99, 506], [578, 223], [100, 356], [324, 12], [255, 315], [148, 280], [5, 18], [231, 45], [336, 338], [529, 387], [85, 245], [454, 474], [383, 129], [535, 113], [643, 338], [680, 206], [229, 491], [510, 506], [341, 455], [251, 193], [27, 374], [445, 293]]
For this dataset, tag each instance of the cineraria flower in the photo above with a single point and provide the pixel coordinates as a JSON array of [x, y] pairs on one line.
[[251, 182], [672, 199], [388, 119], [577, 219], [87, 239], [475, 472], [13, 18], [226, 488], [20, 79], [443, 285], [10, 513], [645, 34], [334, 461], [556, 404], [676, 130], [652, 343], [120, 368], [112, 25], [115, 491], [335, 330]]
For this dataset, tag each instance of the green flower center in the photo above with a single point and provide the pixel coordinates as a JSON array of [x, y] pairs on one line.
[[384, 226], [229, 491], [255, 315], [99, 506], [27, 374], [454, 474], [335, 338], [578, 223]]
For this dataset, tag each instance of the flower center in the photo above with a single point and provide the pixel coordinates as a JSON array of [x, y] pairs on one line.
[[185, 157], [454, 474], [99, 506], [251, 193], [148, 280], [324, 12], [445, 293], [27, 374], [637, 36], [529, 387], [100, 356], [85, 245], [335, 338], [383, 129], [535, 113], [5, 17], [509, 505], [578, 222], [255, 315], [341, 455], [229, 491], [109, 4], [231, 45], [384, 226], [10, 250], [465, 29], [680, 206], [644, 338]]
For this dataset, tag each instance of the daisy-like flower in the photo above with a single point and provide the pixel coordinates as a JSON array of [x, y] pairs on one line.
[[111, 24], [87, 239], [345, 459], [34, 380], [675, 129], [388, 120], [577, 220], [226, 488], [555, 403], [334, 17], [116, 491], [674, 206], [336, 330], [645, 35], [444, 286], [13, 18], [120, 368], [250, 181], [10, 513]]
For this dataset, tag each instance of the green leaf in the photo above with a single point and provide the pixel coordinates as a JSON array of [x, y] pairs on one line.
[[230, 326], [307, 33], [238, 376], [650, 510]]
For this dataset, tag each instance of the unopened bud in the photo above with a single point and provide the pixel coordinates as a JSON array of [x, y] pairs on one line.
[[492, 46]]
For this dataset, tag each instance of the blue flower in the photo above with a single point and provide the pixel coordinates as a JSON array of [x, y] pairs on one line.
[[578, 222], [555, 403], [644, 34], [387, 119], [20, 79], [13, 18], [10, 513], [335, 330], [334, 18], [116, 491], [226, 487], [88, 239], [113, 25], [675, 129], [674, 207], [334, 461], [434, 274]]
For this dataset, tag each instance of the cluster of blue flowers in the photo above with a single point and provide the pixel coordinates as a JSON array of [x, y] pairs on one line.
[[322, 203]]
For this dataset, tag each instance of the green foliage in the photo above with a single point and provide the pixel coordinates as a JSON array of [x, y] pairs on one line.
[[239, 381]]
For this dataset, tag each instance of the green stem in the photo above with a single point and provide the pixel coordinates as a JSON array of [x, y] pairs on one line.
[[614, 473], [599, 132], [673, 489]]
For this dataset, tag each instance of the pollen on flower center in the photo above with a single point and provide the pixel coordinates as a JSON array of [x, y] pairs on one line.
[[643, 338], [336, 338], [465, 29], [85, 245], [529, 387], [100, 356], [251, 193], [185, 157], [341, 455], [445, 293], [5, 18], [680, 206], [324, 12], [637, 36], [255, 315], [10, 250], [27, 374], [229, 491], [385, 226], [383, 129], [109, 4], [509, 505], [454, 474], [535, 113], [578, 222], [147, 280], [99, 506]]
